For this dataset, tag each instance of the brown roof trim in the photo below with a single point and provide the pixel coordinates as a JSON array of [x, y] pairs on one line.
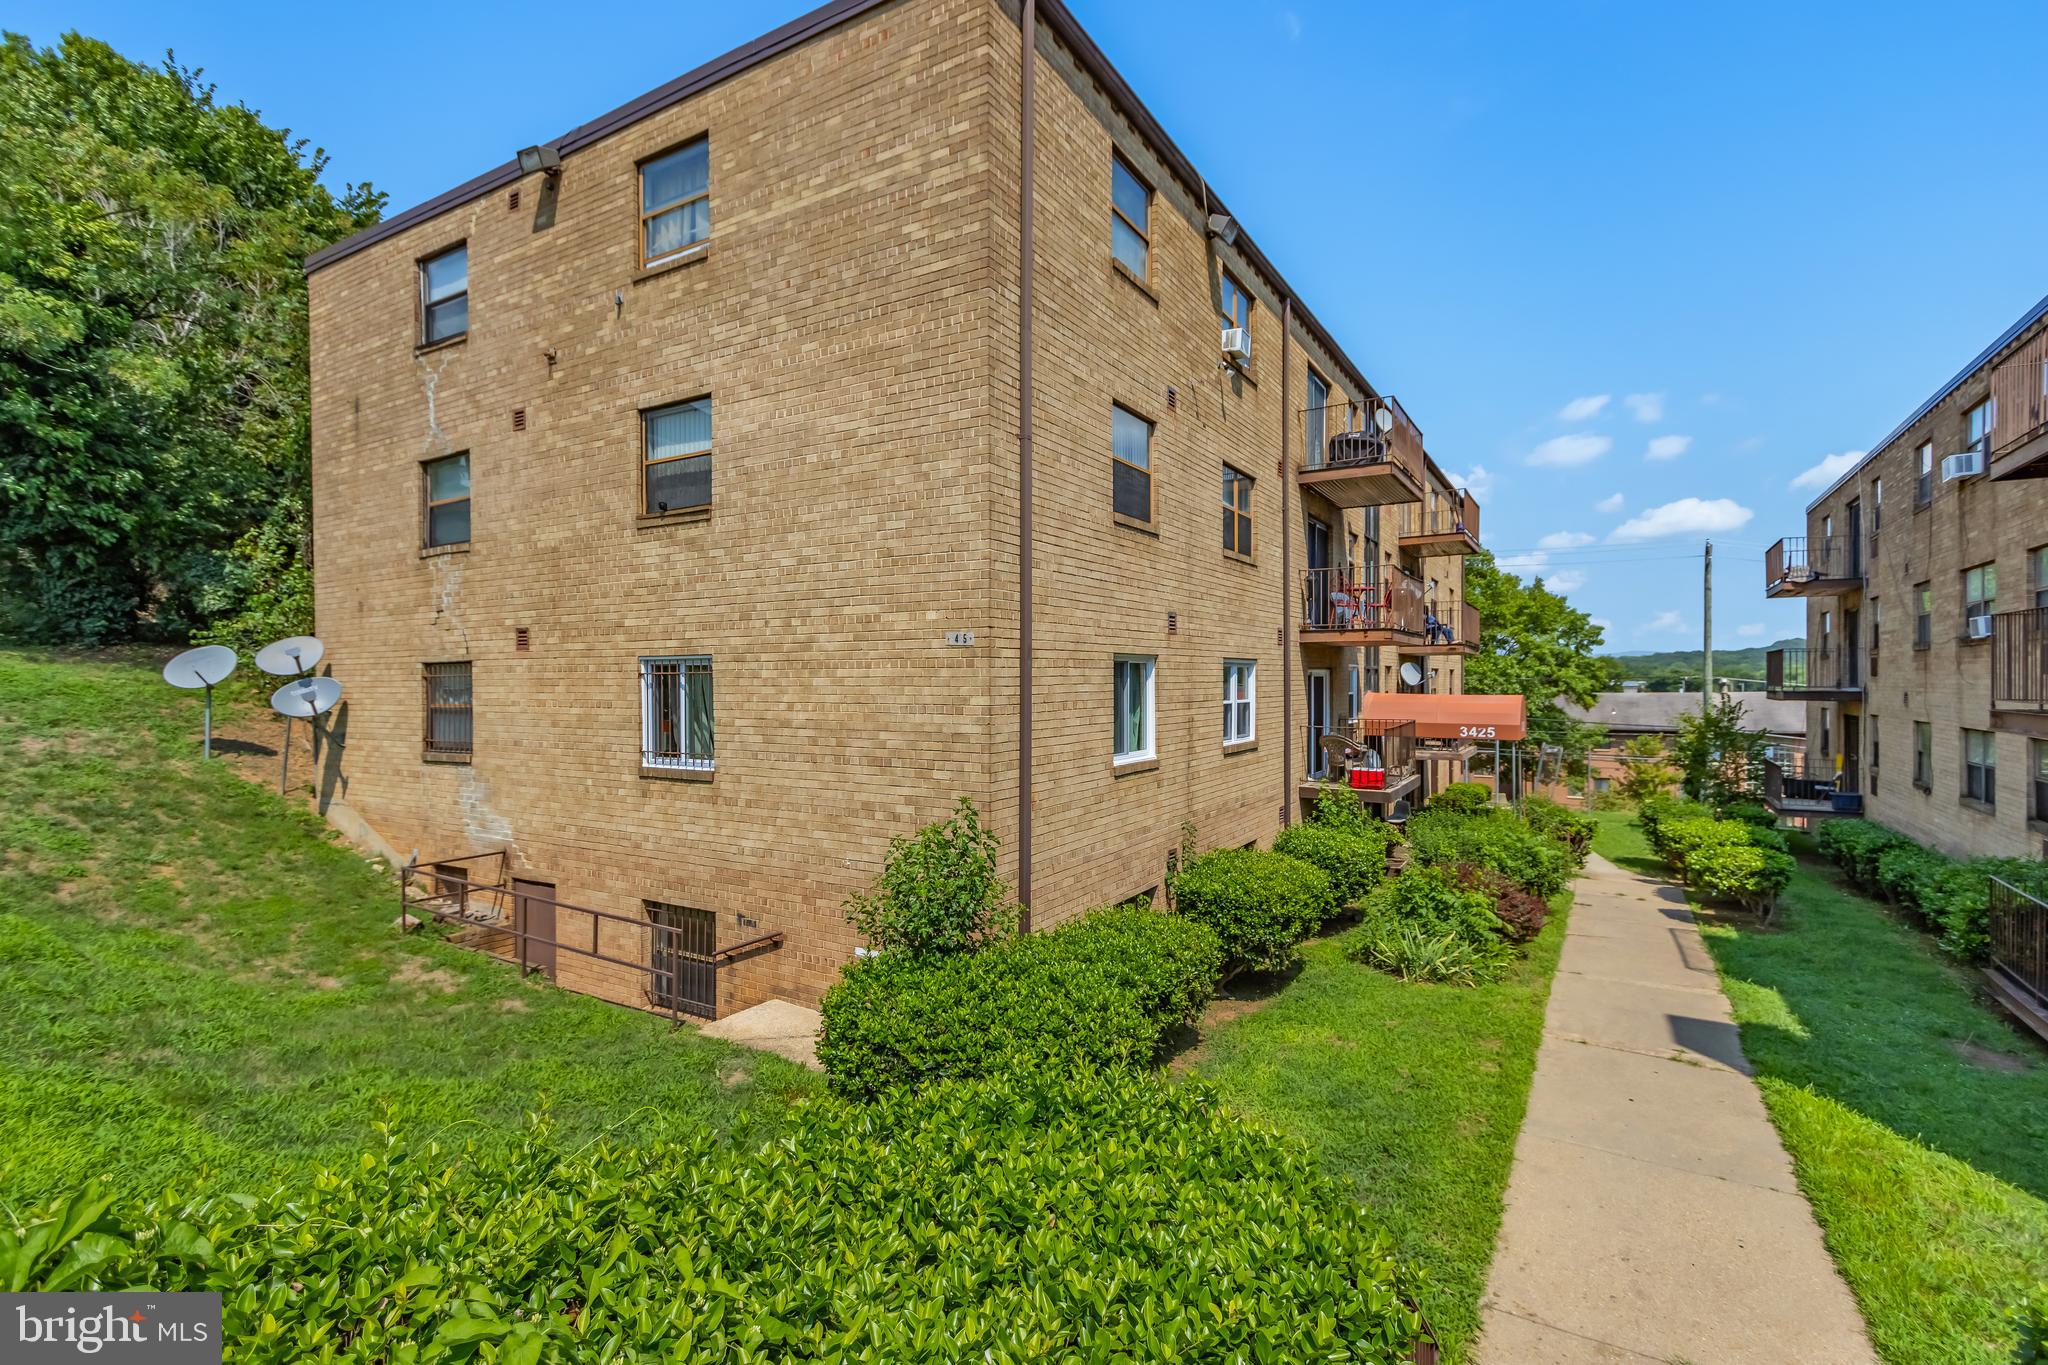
[[796, 31]]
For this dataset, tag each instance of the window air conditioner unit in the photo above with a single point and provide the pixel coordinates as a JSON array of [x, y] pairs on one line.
[[1979, 627], [1963, 464], [1237, 344]]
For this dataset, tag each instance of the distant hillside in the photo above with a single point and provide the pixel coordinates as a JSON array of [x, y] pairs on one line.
[[1664, 670]]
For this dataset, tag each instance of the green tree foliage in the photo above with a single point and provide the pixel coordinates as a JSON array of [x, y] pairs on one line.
[[1721, 761], [939, 892], [1533, 641], [1647, 772], [153, 390]]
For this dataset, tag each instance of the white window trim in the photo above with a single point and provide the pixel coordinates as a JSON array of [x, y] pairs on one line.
[[1151, 749], [1249, 702], [649, 740]]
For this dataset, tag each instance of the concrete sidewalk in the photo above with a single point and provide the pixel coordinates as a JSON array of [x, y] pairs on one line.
[[1651, 1214]]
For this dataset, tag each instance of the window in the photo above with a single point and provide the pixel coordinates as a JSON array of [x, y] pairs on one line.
[[1237, 512], [1315, 426], [1923, 755], [1872, 786], [445, 484], [1827, 743], [1130, 461], [676, 457], [1923, 491], [675, 201], [444, 295], [1827, 633], [2037, 760], [680, 951], [1923, 617], [675, 713], [1240, 722], [1236, 307], [2037, 569], [1827, 527], [1134, 708], [449, 714], [1876, 506], [1980, 419], [1876, 621], [1980, 592], [1130, 219], [1980, 766], [1355, 696]]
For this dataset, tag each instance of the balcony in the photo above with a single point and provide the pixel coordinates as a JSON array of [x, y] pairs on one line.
[[2019, 666], [1375, 467], [2016, 967], [1796, 673], [1375, 760], [1343, 608], [1444, 525], [1455, 630], [1813, 566], [1788, 790], [2019, 395]]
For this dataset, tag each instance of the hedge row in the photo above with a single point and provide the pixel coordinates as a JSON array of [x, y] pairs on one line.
[[1493, 839], [1723, 859], [1049, 1217], [1953, 896]]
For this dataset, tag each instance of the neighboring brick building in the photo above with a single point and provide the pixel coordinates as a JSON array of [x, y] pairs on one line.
[[668, 502], [1925, 570], [1630, 714]]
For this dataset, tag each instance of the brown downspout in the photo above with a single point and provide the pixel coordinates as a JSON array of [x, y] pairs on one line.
[[1286, 561], [1027, 154]]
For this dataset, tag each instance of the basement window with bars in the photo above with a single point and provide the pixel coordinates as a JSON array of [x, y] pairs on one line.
[[445, 485], [675, 713], [1980, 766], [681, 944], [444, 295], [676, 457], [1237, 512], [1130, 464], [675, 202], [449, 713]]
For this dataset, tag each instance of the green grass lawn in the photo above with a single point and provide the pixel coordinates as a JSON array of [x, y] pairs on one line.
[[1414, 1092], [1916, 1117], [195, 978]]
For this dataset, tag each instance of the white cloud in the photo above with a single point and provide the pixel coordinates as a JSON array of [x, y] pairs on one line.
[[1612, 503], [1565, 580], [1569, 452], [1565, 540], [1603, 623], [1753, 631], [1531, 562], [1291, 21], [1686, 517], [1645, 407], [1830, 468], [1665, 620], [1667, 447], [1480, 480], [1579, 409]]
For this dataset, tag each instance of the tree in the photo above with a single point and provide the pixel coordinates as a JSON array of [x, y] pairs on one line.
[[1646, 771], [939, 892], [1722, 762], [1533, 641], [153, 389]]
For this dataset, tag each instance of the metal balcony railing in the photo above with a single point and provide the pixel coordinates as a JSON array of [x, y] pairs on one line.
[[1365, 755], [2019, 660], [1343, 600], [1443, 516], [1796, 668], [1399, 443], [2019, 939], [1788, 786], [2019, 396], [1798, 564]]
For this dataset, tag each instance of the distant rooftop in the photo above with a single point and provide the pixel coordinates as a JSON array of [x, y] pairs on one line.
[[1659, 711]]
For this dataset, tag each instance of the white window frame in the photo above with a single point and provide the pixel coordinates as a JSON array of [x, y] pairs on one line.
[[1240, 701], [1149, 663], [650, 739]]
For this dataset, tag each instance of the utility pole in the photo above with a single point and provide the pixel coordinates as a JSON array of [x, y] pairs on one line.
[[1707, 643]]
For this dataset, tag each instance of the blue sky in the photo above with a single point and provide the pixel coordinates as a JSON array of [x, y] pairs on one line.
[[1641, 264]]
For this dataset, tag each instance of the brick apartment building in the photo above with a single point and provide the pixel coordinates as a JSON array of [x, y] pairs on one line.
[[670, 484], [1925, 574]]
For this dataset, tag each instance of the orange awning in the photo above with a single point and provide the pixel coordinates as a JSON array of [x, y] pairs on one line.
[[1481, 717]]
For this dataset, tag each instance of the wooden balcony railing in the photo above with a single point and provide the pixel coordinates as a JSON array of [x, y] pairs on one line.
[[2019, 660], [2019, 397], [1344, 602], [1799, 566], [1796, 669]]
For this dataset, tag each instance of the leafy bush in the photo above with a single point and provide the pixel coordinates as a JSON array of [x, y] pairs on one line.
[[1462, 798], [1658, 816], [1568, 827], [1440, 900], [1355, 861], [1098, 994], [1415, 952], [1958, 900], [1261, 904], [1905, 872], [1685, 839], [1855, 846], [984, 1220], [1495, 839], [1750, 813], [1343, 810], [1752, 877], [1521, 912], [938, 892]]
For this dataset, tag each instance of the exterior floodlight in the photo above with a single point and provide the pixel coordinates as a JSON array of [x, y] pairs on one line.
[[202, 667], [546, 157], [1223, 228]]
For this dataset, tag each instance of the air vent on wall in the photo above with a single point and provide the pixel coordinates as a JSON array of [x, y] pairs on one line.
[[519, 419], [512, 202], [1173, 623], [1172, 397], [521, 640]]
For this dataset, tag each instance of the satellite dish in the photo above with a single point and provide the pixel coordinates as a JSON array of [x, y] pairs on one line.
[[1383, 418], [304, 698], [201, 667], [1410, 674], [290, 657]]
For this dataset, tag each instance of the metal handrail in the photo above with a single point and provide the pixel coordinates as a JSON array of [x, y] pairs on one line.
[[2019, 937], [1798, 560], [1798, 668], [2019, 660], [1342, 599]]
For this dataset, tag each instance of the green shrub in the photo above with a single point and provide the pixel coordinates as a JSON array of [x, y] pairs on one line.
[[1521, 912], [1958, 900], [1355, 861], [1750, 813], [1343, 810], [938, 892], [1099, 994], [1261, 904], [1415, 952], [1855, 846], [1771, 837], [1495, 839], [1022, 1218], [1568, 827], [1462, 798], [1750, 876], [1905, 871], [1440, 900], [1659, 816], [1686, 838]]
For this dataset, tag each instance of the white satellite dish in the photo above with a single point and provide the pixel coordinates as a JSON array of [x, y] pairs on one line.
[[301, 698], [1410, 674], [1383, 418], [204, 667], [290, 657]]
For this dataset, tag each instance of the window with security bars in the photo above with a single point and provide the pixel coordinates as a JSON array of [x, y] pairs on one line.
[[445, 483], [681, 945], [444, 295], [1239, 700], [1980, 766], [449, 712], [676, 455], [675, 713], [1237, 512], [675, 201], [1130, 462]]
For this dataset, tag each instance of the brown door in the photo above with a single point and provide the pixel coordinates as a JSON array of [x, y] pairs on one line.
[[533, 915]]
